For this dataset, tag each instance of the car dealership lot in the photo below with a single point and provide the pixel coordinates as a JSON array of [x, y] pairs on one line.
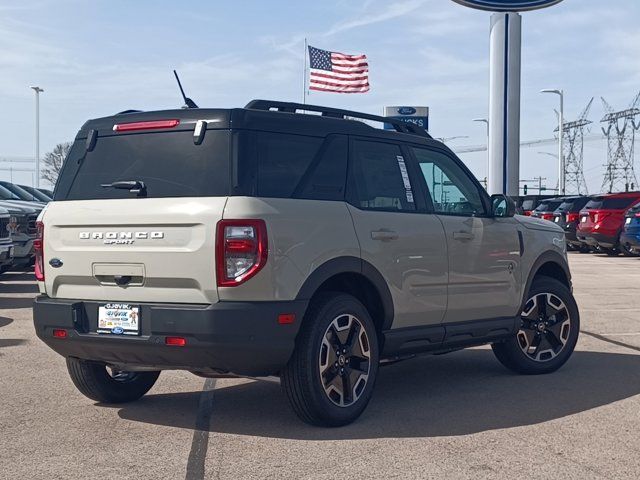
[[452, 416]]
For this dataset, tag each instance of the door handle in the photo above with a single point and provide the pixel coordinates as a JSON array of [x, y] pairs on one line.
[[463, 236], [384, 235]]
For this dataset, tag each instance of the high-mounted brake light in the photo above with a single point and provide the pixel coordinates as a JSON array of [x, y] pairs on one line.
[[149, 125], [241, 250], [38, 247]]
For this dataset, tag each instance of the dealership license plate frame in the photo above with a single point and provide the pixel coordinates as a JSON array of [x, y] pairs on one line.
[[124, 319]]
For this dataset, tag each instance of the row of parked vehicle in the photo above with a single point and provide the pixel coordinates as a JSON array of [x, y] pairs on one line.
[[607, 223], [19, 209]]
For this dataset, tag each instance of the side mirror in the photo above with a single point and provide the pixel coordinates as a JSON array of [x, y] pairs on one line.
[[502, 206]]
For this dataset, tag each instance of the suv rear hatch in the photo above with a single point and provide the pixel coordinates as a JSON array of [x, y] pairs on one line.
[[151, 240], [606, 213]]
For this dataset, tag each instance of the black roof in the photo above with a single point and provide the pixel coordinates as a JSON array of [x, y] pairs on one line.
[[267, 115]]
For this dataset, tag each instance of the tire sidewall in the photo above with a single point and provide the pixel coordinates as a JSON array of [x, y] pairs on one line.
[[337, 305]]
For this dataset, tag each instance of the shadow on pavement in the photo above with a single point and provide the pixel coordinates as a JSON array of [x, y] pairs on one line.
[[458, 394], [11, 342], [9, 303], [30, 287], [4, 321]]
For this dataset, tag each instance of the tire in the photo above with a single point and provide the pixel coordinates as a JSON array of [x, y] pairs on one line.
[[542, 346], [97, 383], [612, 252], [627, 252], [333, 321], [585, 249]]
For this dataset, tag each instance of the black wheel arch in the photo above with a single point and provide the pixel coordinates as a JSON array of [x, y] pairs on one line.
[[550, 264], [374, 291]]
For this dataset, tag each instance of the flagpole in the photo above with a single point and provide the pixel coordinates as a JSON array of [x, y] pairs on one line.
[[304, 74]]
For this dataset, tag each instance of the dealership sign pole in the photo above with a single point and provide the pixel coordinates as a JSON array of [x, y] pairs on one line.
[[504, 89]]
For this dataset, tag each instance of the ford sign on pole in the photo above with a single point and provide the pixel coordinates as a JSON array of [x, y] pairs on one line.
[[417, 115], [507, 5]]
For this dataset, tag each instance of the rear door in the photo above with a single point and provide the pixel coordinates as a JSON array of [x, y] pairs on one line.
[[396, 234], [103, 243], [483, 252]]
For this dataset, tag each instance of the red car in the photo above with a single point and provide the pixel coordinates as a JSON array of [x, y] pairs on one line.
[[602, 222]]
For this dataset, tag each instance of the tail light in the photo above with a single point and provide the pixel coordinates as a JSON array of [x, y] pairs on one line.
[[637, 214], [572, 217], [241, 250], [38, 246], [547, 216]]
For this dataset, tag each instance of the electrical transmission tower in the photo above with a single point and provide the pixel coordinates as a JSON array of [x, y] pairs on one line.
[[573, 151], [620, 131]]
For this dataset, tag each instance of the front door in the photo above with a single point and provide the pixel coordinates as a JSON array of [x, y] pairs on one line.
[[484, 252]]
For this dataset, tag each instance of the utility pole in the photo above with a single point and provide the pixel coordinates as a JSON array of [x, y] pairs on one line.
[[484, 120], [38, 91], [561, 180]]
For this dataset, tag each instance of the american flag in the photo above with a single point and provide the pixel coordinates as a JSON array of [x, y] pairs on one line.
[[337, 72]]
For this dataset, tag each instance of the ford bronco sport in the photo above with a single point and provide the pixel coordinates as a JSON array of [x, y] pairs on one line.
[[268, 240]]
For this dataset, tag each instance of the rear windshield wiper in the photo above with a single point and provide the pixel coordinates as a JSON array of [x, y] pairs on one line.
[[134, 186]]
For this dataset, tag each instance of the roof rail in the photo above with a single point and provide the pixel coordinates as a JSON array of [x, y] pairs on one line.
[[289, 107]]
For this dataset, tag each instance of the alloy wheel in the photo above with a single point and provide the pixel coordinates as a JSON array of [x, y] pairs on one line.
[[344, 360], [545, 328]]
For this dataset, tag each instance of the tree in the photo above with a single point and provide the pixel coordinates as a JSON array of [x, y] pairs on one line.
[[53, 162]]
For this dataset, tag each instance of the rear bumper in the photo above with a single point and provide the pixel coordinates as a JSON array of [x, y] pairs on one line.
[[632, 240], [23, 251], [598, 240], [237, 337]]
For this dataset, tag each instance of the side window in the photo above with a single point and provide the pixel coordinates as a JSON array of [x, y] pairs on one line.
[[282, 161], [379, 177], [325, 178], [452, 191]]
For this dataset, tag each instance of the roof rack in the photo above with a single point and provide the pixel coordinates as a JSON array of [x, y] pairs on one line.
[[289, 107]]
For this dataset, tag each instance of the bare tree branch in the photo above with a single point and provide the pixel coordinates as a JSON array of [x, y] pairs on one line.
[[53, 162]]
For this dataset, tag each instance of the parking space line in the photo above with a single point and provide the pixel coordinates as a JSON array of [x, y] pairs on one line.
[[200, 441], [608, 340]]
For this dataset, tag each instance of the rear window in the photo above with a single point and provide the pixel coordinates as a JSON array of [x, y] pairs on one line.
[[548, 206], [169, 164], [610, 203], [572, 205]]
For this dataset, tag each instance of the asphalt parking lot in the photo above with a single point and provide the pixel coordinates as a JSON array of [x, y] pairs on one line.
[[453, 416]]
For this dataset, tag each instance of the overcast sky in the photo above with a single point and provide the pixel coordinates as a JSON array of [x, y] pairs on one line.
[[100, 57]]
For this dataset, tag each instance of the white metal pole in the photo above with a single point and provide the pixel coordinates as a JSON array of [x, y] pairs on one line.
[[38, 90], [562, 184], [486, 122]]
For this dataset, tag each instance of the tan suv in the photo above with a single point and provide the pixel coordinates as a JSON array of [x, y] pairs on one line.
[[271, 241]]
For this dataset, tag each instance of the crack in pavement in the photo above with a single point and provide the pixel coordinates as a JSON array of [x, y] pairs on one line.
[[200, 440], [609, 340]]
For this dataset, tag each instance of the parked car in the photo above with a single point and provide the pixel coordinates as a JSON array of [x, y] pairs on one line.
[[22, 231], [630, 237], [37, 195], [547, 207], [602, 221], [21, 193], [567, 217], [266, 241], [6, 245], [529, 203]]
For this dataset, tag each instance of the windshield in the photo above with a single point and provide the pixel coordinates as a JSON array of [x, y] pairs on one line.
[[37, 195], [19, 192], [528, 204], [169, 164], [7, 194]]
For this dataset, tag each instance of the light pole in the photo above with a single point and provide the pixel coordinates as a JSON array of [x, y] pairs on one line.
[[484, 120], [38, 90], [561, 179]]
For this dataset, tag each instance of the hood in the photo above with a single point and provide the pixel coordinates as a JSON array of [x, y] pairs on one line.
[[19, 207], [534, 223]]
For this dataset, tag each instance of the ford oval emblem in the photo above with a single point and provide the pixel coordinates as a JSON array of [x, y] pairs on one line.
[[406, 110], [117, 330], [507, 5]]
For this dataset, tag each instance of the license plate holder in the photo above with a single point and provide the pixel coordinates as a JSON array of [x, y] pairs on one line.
[[118, 319]]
